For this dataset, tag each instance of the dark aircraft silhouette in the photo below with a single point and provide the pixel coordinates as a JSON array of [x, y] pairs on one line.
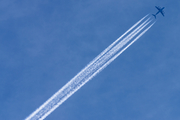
[[160, 10]]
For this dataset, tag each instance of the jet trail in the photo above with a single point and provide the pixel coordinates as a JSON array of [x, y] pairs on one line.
[[93, 68]]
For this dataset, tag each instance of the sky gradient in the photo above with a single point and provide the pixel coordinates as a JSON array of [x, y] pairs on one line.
[[43, 44]]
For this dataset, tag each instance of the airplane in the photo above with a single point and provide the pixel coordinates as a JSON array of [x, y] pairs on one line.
[[160, 10]]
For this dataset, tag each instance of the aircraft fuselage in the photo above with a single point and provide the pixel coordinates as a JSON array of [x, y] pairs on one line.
[[160, 10]]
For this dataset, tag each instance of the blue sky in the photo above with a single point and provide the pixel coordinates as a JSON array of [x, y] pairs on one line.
[[43, 44]]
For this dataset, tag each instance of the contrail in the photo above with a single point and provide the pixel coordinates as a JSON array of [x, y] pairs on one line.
[[113, 58], [123, 42], [93, 68]]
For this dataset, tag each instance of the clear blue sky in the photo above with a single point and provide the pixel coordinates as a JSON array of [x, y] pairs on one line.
[[43, 44]]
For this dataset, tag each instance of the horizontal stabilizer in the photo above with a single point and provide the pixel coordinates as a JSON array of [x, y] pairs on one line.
[[154, 16]]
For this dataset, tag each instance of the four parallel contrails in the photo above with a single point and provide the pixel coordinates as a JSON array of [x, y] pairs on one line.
[[93, 68]]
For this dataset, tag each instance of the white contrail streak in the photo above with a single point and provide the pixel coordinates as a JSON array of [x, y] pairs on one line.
[[123, 42], [92, 69], [113, 58], [110, 46]]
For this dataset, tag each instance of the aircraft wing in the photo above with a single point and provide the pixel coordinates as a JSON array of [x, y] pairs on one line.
[[162, 13], [158, 8]]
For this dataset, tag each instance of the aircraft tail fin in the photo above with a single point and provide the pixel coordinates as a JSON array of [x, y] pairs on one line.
[[154, 15]]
